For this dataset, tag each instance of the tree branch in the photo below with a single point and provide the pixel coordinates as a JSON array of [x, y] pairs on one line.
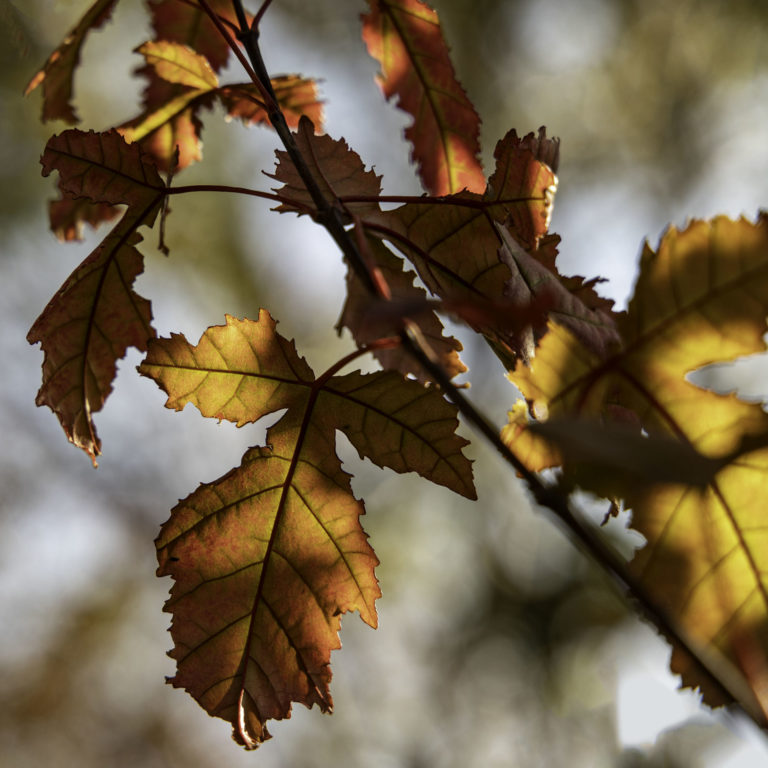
[[549, 496]]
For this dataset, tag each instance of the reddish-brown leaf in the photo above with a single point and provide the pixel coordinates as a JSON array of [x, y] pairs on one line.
[[337, 170], [68, 216], [169, 123], [267, 558], [493, 252], [369, 320], [86, 328], [104, 168], [296, 96], [187, 23], [525, 180], [58, 71], [594, 328], [404, 36]]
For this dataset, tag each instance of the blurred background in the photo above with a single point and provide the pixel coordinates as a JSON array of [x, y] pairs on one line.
[[499, 644]]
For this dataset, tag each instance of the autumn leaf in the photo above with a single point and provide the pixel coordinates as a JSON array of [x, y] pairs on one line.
[[169, 127], [493, 252], [436, 236], [369, 320], [524, 184], [103, 168], [700, 298], [267, 558], [68, 215], [190, 25], [178, 63], [296, 96], [337, 170], [404, 36], [170, 115], [86, 328], [58, 71], [595, 328], [181, 83]]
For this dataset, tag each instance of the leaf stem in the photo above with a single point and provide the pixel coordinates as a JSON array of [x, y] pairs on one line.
[[238, 191], [386, 343]]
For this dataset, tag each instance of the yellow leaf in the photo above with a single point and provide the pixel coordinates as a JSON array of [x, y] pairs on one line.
[[267, 558], [701, 297], [179, 64]]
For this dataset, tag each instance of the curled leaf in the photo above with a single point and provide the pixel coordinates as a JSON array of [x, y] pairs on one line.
[[58, 71], [86, 328]]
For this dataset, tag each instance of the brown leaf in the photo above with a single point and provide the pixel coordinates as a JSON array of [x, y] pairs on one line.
[[525, 178], [404, 36], [296, 96], [68, 215], [187, 23], [335, 167], [86, 328], [369, 320], [103, 168], [595, 328], [58, 71], [267, 558]]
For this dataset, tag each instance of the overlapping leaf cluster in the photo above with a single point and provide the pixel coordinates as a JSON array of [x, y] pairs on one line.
[[267, 558]]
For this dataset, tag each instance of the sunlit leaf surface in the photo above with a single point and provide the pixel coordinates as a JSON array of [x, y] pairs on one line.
[[701, 297], [58, 71], [404, 36], [267, 558]]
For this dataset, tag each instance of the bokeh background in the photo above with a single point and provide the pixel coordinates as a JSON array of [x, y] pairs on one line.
[[499, 644]]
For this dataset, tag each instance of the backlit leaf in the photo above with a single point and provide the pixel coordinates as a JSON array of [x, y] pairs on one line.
[[493, 251], [335, 167], [68, 215], [296, 96], [525, 178], [400, 424], [58, 71], [266, 559], [86, 328], [178, 63], [702, 297], [404, 36], [188, 24], [595, 328], [369, 320], [103, 168], [169, 128]]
